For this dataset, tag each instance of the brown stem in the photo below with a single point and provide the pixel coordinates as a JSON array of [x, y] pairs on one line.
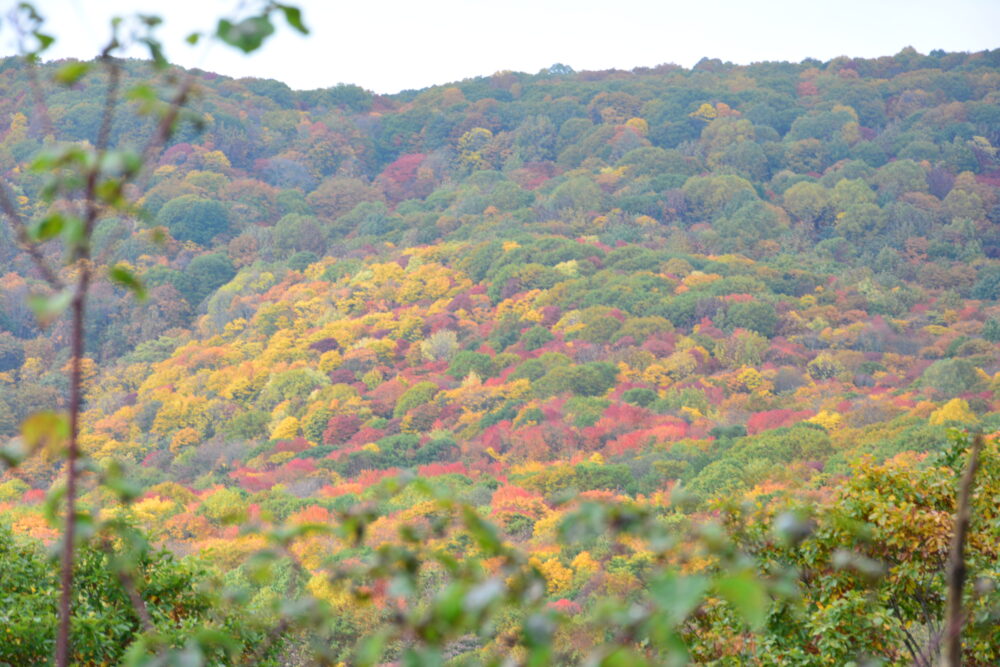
[[138, 604], [128, 583], [956, 561], [39, 98], [82, 254], [69, 536], [37, 95]]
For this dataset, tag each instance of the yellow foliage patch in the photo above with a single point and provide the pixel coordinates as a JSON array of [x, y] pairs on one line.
[[955, 410]]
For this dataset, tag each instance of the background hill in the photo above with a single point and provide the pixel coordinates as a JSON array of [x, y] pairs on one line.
[[739, 279]]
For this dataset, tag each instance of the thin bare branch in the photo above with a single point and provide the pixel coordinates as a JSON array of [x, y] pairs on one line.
[[138, 604], [38, 96], [166, 124], [103, 136], [110, 101], [955, 617], [13, 215], [909, 641]]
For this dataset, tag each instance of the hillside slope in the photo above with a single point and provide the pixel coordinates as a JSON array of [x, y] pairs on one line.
[[758, 283]]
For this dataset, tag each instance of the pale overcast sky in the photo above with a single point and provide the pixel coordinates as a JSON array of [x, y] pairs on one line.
[[390, 45]]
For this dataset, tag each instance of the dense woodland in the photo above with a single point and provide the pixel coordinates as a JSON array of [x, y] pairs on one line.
[[739, 314]]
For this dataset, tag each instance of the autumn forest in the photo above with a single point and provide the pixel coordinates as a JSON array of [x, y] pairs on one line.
[[659, 366]]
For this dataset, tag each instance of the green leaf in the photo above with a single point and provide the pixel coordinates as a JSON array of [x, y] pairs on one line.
[[370, 650], [209, 638], [421, 657], [678, 596], [155, 51], [74, 231], [746, 593], [86, 526], [246, 35], [44, 41], [294, 18], [193, 38], [13, 452], [538, 629], [45, 160], [126, 489], [260, 566], [74, 156], [109, 191], [45, 429], [481, 596], [121, 163], [48, 308], [70, 73], [623, 657], [51, 507], [189, 656], [844, 559], [150, 20], [402, 586], [47, 228], [484, 533], [125, 278], [448, 607], [30, 10], [141, 93], [285, 535], [792, 527]]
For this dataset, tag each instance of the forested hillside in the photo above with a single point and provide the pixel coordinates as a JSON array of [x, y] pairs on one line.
[[707, 296]]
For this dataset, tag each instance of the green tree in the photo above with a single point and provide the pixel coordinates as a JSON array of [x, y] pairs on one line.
[[809, 202], [578, 193], [759, 316], [991, 330], [752, 222], [988, 285], [536, 337], [417, 395], [11, 352], [899, 177], [707, 195], [204, 275], [194, 218], [176, 594], [593, 379], [950, 377], [466, 362]]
